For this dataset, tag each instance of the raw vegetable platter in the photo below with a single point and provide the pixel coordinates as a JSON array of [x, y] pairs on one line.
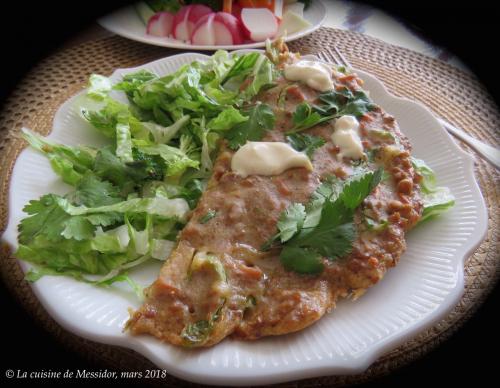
[[127, 22]]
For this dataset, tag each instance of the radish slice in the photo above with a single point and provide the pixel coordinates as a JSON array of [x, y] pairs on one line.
[[160, 24], [222, 34], [186, 19], [203, 33], [232, 25], [259, 23], [218, 28]]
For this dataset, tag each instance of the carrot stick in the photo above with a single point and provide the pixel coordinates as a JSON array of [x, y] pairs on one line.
[[227, 6]]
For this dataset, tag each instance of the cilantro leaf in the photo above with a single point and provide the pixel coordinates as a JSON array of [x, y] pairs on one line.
[[334, 234], [260, 119], [330, 188], [46, 217], [192, 191], [325, 227], [108, 166], [291, 221], [91, 192], [359, 186], [305, 143], [79, 228], [305, 117], [357, 106], [334, 104], [105, 219], [300, 260], [344, 102]]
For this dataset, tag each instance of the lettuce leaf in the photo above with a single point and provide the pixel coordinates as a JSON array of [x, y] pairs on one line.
[[70, 163], [437, 202], [436, 199], [176, 160], [99, 87], [227, 119]]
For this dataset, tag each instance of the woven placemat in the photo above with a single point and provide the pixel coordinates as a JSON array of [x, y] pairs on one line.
[[451, 93]]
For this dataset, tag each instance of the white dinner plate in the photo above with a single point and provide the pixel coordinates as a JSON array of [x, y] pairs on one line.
[[127, 23], [421, 290]]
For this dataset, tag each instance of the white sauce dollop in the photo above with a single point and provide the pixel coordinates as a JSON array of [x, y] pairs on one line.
[[267, 158], [317, 75], [346, 137]]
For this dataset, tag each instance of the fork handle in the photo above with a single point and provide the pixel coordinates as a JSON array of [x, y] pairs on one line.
[[491, 154]]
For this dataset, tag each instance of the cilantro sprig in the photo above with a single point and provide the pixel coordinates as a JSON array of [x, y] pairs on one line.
[[332, 104], [305, 143], [261, 118], [305, 116], [325, 227]]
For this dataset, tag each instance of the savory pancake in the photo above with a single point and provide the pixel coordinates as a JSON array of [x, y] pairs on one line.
[[219, 281]]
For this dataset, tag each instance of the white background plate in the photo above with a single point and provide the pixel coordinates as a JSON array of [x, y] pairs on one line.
[[421, 290], [127, 23]]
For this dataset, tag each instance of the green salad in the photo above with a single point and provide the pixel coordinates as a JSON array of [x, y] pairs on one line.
[[130, 199]]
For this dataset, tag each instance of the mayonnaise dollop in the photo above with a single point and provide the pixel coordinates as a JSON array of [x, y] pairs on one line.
[[267, 158], [315, 74], [346, 137]]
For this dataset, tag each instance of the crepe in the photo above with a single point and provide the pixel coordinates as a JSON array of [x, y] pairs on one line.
[[219, 282]]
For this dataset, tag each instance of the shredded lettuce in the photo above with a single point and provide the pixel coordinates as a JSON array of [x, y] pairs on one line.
[[70, 163], [227, 119], [436, 199], [130, 198], [99, 87]]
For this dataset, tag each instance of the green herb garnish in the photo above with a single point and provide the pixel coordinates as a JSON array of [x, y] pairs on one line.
[[325, 227], [305, 143], [261, 118], [207, 217], [306, 117]]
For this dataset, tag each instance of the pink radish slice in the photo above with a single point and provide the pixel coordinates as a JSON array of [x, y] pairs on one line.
[[222, 34], [160, 24], [198, 11], [203, 32], [232, 25], [259, 23], [217, 29], [186, 19]]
